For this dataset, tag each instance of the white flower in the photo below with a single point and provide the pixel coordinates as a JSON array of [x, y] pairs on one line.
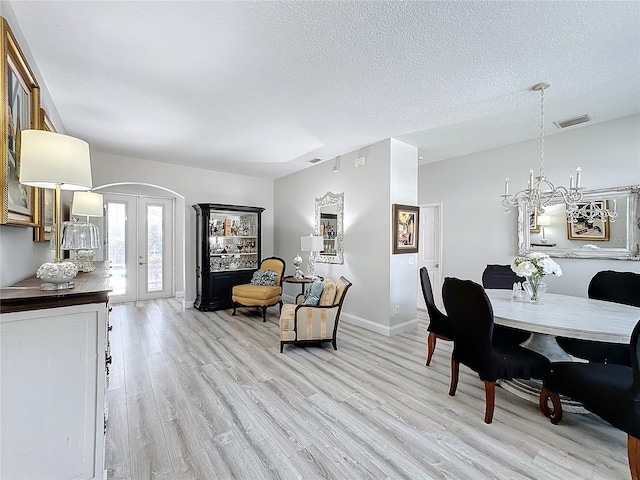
[[524, 269], [550, 267], [535, 264]]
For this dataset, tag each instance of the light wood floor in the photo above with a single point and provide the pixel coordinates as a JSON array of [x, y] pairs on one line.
[[196, 395]]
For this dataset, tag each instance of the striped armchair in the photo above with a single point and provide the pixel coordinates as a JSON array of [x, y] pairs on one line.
[[302, 324]]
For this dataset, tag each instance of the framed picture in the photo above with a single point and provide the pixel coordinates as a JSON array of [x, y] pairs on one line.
[[46, 205], [533, 221], [18, 203], [45, 196], [405, 228], [584, 229]]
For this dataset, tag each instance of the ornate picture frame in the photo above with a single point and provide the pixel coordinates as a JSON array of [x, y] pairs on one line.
[[596, 230], [533, 221], [45, 196], [18, 203], [405, 228]]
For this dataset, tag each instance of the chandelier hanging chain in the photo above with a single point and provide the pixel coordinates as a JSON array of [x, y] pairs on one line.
[[542, 131]]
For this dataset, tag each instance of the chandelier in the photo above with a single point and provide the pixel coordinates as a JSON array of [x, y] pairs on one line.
[[540, 191]]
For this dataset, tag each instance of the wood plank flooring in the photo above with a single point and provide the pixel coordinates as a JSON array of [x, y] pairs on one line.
[[196, 395]]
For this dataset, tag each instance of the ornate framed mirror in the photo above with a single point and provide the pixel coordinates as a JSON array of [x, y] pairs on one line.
[[609, 238], [329, 224]]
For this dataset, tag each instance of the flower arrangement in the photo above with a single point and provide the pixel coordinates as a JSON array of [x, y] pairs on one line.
[[533, 266]]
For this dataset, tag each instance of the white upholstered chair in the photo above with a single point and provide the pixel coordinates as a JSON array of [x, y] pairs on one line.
[[305, 324]]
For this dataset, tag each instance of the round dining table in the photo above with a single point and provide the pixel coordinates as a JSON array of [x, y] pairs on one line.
[[564, 316]]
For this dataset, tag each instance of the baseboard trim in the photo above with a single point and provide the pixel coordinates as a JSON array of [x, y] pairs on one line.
[[376, 327]]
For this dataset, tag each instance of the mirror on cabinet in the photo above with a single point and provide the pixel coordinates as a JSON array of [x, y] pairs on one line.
[[329, 224], [551, 233]]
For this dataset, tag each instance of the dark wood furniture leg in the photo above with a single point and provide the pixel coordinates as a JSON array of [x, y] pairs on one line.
[[455, 370], [431, 346], [633, 446], [490, 400], [555, 411]]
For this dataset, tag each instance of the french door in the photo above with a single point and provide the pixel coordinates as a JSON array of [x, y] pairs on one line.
[[139, 246]]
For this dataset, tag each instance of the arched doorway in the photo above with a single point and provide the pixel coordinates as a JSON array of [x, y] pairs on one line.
[[141, 243]]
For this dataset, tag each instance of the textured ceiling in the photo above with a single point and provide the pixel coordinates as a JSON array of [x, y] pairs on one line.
[[259, 88]]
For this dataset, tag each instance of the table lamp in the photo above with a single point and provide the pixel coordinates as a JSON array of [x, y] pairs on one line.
[[54, 160], [311, 244], [83, 237], [544, 221]]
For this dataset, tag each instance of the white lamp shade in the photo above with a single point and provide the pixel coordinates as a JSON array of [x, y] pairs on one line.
[[311, 243], [544, 220], [88, 204], [48, 159]]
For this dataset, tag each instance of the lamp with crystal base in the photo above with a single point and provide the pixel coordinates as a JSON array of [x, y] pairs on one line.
[[311, 244], [83, 237], [54, 160]]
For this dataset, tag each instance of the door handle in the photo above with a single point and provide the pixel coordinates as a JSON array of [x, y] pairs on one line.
[[437, 265], [142, 263]]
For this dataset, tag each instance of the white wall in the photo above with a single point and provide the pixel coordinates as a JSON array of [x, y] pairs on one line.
[[196, 186], [367, 229], [20, 256], [403, 276], [476, 229]]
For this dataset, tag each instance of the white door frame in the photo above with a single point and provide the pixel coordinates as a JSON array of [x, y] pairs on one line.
[[135, 246], [434, 266]]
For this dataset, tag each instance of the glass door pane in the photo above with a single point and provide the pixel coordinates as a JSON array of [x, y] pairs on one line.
[[155, 247], [116, 246]]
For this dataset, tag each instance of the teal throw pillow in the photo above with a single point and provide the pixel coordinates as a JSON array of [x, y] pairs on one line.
[[312, 297]]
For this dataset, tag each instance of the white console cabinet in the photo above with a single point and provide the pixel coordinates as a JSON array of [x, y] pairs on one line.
[[53, 349]]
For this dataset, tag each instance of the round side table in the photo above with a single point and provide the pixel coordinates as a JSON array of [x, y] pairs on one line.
[[302, 281]]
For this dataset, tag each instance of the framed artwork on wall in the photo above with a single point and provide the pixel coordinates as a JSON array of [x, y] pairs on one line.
[[45, 196], [585, 229], [405, 228], [533, 221], [18, 203]]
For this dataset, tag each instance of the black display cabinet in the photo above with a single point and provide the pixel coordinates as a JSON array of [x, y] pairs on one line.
[[228, 251]]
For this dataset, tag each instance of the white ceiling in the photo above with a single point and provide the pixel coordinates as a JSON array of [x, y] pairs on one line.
[[260, 88]]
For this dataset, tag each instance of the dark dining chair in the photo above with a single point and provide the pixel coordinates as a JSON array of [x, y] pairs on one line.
[[471, 316], [611, 286], [609, 391], [439, 324], [501, 277]]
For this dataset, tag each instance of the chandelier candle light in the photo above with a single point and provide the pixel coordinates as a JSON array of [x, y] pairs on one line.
[[540, 192], [534, 266]]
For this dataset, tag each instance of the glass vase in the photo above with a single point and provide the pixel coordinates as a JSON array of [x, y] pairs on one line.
[[534, 287]]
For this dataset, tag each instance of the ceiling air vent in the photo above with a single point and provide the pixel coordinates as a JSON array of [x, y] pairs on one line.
[[315, 160], [570, 122]]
